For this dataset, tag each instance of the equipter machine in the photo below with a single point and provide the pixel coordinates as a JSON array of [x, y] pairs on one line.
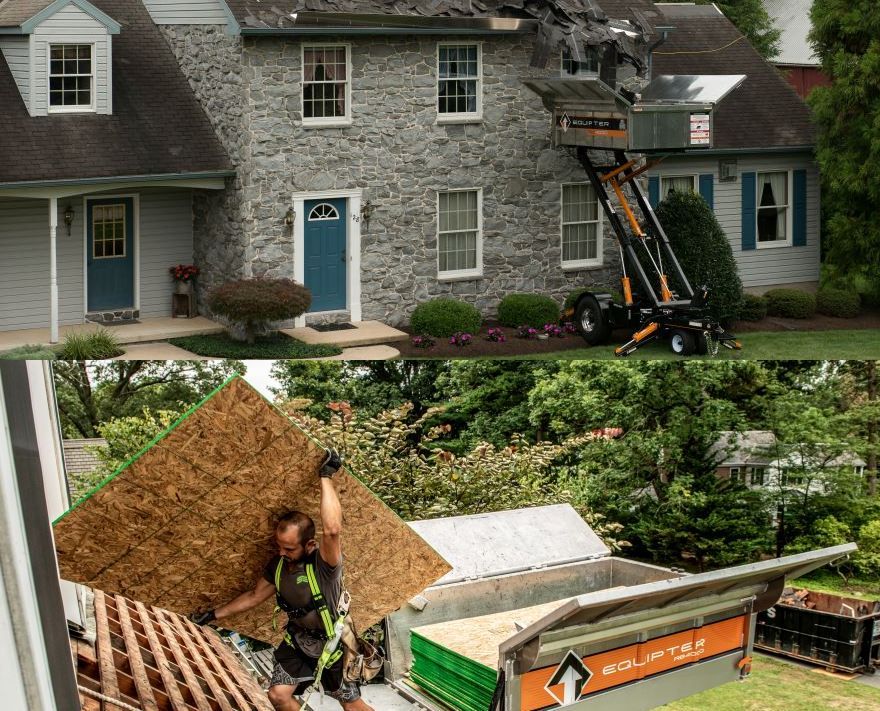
[[670, 115]]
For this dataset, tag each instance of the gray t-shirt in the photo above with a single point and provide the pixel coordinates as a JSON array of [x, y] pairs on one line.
[[296, 593]]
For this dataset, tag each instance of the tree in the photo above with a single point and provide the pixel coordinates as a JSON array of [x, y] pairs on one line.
[[847, 115], [92, 393]]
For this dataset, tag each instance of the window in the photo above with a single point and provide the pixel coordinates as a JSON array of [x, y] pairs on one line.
[[324, 211], [737, 474], [589, 67], [581, 232], [458, 77], [71, 78], [108, 231], [459, 239], [792, 479], [772, 210], [758, 476], [326, 90], [678, 184]]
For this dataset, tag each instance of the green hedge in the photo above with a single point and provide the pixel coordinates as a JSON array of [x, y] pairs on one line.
[[444, 317], [790, 303], [838, 302], [753, 308], [527, 310]]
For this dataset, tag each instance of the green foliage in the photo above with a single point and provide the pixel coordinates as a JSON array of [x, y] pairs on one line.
[[29, 352], [838, 302], [753, 307], [443, 317], [97, 345], [572, 298], [703, 251], [790, 303], [251, 305], [847, 115], [527, 310], [866, 560], [751, 18], [276, 345]]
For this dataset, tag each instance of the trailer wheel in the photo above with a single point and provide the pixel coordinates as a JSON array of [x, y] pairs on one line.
[[682, 342], [591, 321]]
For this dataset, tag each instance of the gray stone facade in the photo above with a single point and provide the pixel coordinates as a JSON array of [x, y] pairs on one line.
[[397, 153]]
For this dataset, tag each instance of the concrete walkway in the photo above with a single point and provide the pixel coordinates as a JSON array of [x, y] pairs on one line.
[[364, 333]]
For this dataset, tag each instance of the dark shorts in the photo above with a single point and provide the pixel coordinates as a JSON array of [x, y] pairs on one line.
[[295, 668]]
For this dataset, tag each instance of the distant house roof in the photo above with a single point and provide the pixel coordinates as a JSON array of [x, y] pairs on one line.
[[734, 449], [77, 459], [765, 112], [792, 18], [151, 658], [157, 126]]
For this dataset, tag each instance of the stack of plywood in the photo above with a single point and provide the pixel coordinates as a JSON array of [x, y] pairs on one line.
[[456, 661]]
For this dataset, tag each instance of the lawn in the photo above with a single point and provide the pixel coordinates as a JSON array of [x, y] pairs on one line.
[[861, 344], [828, 582], [775, 685]]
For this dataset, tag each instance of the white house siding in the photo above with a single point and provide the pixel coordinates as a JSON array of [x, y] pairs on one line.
[[165, 239], [762, 268], [71, 25], [16, 50], [192, 12]]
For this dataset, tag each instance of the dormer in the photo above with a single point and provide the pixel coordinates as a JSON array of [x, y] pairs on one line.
[[60, 55]]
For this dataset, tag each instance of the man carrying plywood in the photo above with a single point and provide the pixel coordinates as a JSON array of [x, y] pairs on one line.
[[306, 580]]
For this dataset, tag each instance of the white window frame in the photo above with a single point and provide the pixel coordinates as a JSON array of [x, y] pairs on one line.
[[325, 121], [125, 239], [78, 109], [575, 264], [463, 274], [753, 475], [580, 72], [692, 176], [789, 212], [462, 116]]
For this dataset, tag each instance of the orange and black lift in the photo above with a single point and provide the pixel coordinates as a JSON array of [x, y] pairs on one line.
[[649, 306]]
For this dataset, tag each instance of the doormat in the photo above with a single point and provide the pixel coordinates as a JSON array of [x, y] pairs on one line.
[[325, 327]]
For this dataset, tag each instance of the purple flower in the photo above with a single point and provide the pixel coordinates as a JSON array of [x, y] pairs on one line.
[[496, 335]]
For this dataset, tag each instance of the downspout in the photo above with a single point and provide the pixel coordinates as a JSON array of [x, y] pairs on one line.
[[53, 270]]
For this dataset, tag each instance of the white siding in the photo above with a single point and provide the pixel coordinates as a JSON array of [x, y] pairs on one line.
[[769, 267], [191, 12], [16, 50], [70, 25]]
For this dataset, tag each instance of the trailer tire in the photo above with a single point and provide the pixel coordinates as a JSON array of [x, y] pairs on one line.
[[682, 342], [591, 321]]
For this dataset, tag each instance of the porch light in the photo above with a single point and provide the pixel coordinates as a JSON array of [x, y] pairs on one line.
[[68, 218], [367, 211], [289, 217]]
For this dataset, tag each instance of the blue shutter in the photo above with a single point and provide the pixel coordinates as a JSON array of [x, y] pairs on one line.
[[799, 223], [654, 191], [707, 189], [749, 201]]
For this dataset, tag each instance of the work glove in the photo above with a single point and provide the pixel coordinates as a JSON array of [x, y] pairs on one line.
[[203, 618], [330, 465]]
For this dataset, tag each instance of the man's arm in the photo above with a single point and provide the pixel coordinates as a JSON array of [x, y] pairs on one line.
[[331, 514], [262, 591]]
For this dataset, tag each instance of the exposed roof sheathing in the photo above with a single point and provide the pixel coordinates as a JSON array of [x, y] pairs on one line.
[[189, 524]]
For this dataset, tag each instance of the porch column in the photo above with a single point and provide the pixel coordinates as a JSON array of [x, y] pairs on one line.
[[53, 270]]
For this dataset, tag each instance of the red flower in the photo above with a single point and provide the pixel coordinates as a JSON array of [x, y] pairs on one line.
[[183, 272]]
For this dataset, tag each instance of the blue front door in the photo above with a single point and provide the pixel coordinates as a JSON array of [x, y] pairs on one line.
[[324, 253], [110, 253]]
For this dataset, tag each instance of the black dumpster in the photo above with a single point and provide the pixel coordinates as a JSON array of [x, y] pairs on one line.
[[834, 632]]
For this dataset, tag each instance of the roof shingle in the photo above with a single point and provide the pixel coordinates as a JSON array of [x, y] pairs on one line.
[[14, 12]]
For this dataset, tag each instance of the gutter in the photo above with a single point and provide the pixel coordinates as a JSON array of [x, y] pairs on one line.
[[373, 31], [150, 178], [741, 151]]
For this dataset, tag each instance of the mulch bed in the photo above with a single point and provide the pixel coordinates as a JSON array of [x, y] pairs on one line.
[[869, 318]]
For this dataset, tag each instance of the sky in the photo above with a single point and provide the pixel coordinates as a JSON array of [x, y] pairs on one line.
[[258, 376]]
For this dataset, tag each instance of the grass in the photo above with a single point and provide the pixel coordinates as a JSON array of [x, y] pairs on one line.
[[858, 344], [775, 685], [277, 347], [828, 582], [30, 352]]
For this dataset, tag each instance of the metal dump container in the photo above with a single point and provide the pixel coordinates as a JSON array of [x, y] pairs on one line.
[[832, 631]]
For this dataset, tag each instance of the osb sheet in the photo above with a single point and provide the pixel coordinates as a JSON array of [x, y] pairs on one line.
[[478, 638], [189, 523]]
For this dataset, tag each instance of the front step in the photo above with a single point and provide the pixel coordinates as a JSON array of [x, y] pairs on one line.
[[364, 333]]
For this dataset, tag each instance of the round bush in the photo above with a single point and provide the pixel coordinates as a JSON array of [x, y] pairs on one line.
[[572, 298], [790, 303], [527, 310], [753, 308], [444, 317], [252, 304], [703, 251], [838, 302]]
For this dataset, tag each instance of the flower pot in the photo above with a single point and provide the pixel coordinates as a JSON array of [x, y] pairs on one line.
[[543, 336], [183, 287]]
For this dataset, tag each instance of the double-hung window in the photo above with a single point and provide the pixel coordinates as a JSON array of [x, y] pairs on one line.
[[459, 83], [459, 238], [678, 184], [773, 203], [326, 85], [71, 77], [581, 228]]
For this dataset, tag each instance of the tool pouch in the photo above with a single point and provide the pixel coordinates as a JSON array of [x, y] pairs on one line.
[[361, 661]]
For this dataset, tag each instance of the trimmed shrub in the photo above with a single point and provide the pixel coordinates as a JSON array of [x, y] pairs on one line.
[[251, 305], [790, 303], [444, 317], [97, 345], [753, 308], [527, 310], [29, 352], [703, 252], [838, 302], [572, 298]]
